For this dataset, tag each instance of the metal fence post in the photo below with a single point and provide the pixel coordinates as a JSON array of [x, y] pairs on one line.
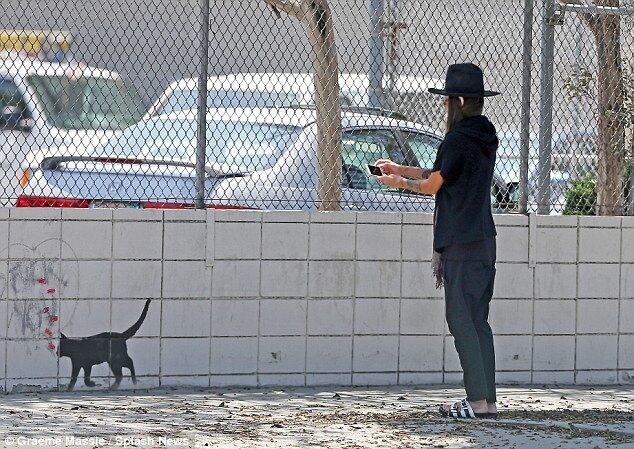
[[202, 106], [546, 108], [375, 62], [526, 104]]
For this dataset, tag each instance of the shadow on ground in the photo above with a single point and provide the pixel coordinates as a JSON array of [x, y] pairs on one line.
[[347, 418]]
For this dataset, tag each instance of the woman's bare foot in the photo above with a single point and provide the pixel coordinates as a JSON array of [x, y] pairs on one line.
[[492, 407]]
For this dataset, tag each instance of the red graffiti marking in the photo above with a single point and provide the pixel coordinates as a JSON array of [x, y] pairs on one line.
[[50, 290], [46, 309], [53, 318], [48, 332], [42, 281], [51, 346]]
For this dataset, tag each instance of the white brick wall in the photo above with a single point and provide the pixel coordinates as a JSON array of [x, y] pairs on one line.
[[235, 317], [136, 279], [86, 239], [422, 316], [137, 240], [554, 316], [556, 281], [284, 278], [331, 278], [329, 317], [378, 279], [235, 278], [234, 355], [376, 316], [282, 317], [282, 355], [86, 279], [554, 352], [375, 353], [271, 298], [598, 281], [328, 354], [285, 241], [186, 279]]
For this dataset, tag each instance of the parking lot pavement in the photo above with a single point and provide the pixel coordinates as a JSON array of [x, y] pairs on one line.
[[324, 417]]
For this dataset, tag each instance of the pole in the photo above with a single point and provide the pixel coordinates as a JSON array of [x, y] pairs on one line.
[[393, 57], [526, 104], [202, 106], [546, 108], [375, 66]]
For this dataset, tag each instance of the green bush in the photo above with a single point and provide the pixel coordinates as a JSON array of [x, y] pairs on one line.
[[581, 198]]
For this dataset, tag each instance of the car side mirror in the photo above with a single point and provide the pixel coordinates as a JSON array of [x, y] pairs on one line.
[[353, 177], [12, 119]]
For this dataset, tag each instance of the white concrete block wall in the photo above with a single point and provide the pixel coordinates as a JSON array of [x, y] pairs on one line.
[[294, 298]]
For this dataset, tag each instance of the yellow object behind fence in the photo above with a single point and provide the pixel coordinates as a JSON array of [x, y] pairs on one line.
[[34, 42]]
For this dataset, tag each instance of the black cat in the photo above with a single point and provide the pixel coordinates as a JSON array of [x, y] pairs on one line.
[[105, 347]]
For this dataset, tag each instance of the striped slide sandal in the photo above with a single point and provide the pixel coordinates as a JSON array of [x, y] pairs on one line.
[[462, 410]]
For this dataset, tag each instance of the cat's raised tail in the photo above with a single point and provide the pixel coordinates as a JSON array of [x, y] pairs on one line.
[[135, 327]]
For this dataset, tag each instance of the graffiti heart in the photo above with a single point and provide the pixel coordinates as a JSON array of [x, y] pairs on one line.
[[33, 284]]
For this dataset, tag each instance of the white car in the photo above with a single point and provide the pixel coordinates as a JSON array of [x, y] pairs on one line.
[[256, 158], [265, 90], [52, 104]]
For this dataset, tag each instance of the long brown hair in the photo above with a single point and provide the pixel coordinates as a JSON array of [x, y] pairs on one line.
[[472, 107]]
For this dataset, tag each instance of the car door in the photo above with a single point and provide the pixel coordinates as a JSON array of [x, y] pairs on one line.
[[14, 136], [360, 190], [421, 149]]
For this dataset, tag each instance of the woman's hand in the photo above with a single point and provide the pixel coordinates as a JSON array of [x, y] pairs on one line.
[[392, 181], [388, 167]]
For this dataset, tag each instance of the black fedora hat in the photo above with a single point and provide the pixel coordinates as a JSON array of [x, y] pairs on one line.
[[464, 80]]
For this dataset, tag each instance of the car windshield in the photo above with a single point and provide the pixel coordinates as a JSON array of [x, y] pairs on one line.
[[510, 146], [243, 146], [87, 102], [182, 100]]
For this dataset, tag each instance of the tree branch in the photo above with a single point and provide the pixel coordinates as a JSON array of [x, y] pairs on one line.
[[291, 7], [593, 21]]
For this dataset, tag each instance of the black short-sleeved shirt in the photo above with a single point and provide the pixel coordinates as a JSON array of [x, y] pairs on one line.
[[465, 159]]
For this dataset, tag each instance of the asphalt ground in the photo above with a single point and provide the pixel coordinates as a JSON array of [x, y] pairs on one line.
[[322, 417]]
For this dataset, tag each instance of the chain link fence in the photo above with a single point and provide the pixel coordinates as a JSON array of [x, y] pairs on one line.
[[99, 101]]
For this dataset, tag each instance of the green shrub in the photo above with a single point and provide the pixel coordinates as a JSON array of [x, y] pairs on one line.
[[581, 198]]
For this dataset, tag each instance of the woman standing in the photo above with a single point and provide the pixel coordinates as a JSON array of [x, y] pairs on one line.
[[464, 232]]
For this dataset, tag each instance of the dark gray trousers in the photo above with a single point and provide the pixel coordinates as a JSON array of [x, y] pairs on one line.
[[468, 292]]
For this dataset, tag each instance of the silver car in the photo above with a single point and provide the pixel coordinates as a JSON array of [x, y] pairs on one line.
[[256, 158]]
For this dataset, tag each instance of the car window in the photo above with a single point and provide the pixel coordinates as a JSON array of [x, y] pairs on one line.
[[87, 102], [248, 146], [11, 102], [186, 99], [423, 147], [574, 164], [360, 148], [245, 146]]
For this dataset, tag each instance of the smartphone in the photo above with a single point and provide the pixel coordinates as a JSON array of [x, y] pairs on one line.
[[374, 170]]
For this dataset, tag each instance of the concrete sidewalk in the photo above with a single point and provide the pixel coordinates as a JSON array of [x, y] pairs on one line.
[[328, 417]]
